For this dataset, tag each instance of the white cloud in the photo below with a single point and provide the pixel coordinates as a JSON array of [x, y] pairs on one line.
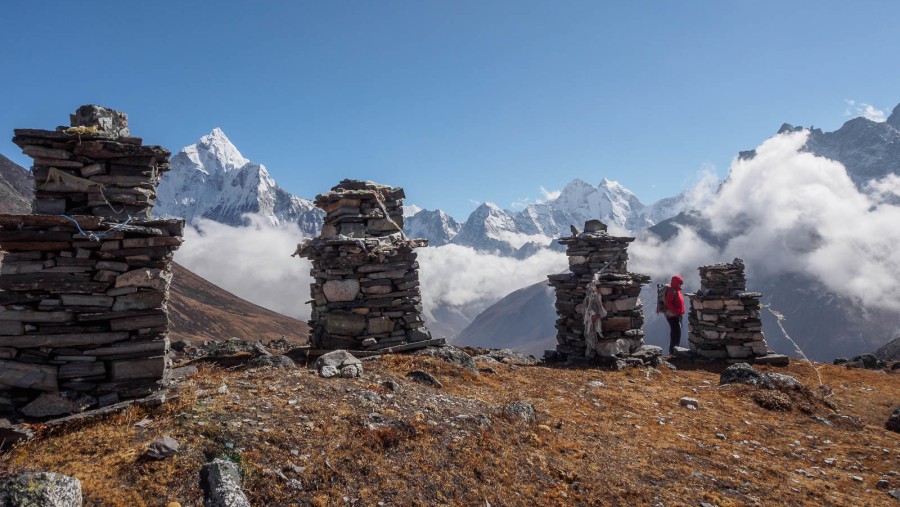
[[253, 262], [790, 211], [548, 195], [457, 275], [865, 110]]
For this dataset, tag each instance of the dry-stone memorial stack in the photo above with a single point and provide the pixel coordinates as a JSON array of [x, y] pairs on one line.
[[366, 290], [724, 320], [596, 255], [85, 280]]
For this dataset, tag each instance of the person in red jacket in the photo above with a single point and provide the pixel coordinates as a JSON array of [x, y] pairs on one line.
[[674, 311]]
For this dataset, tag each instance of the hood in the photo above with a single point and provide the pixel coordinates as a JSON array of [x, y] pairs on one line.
[[677, 282]]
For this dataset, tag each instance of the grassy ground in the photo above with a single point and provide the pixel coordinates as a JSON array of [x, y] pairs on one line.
[[601, 438]]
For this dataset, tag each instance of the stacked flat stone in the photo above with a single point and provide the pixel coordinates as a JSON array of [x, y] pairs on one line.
[[106, 174], [366, 292], [724, 320], [83, 296], [591, 252]]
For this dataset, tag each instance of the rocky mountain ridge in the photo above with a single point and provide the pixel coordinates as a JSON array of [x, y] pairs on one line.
[[211, 179]]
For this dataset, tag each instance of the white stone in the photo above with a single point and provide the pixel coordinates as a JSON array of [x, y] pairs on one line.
[[341, 290]]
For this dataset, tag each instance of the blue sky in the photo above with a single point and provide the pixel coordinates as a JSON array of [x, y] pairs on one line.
[[457, 101]]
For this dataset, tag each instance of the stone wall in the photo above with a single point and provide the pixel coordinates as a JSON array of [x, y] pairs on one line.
[[84, 281], [366, 292], [594, 254], [724, 319]]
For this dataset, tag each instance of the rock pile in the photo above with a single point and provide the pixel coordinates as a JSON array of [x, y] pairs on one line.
[[80, 170], [82, 296], [724, 320], [594, 254], [366, 291]]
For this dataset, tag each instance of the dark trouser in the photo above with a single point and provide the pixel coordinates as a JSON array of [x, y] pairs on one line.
[[674, 333]]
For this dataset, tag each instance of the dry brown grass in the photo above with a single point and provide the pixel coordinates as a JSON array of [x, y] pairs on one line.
[[303, 440]]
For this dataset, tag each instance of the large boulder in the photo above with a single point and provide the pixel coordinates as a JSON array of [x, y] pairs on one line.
[[40, 489], [743, 373]]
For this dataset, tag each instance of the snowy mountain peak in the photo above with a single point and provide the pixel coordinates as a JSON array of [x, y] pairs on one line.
[[216, 147], [211, 179]]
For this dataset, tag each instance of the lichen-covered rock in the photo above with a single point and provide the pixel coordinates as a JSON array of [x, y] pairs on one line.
[[743, 373], [520, 410], [337, 359], [272, 361], [784, 382], [40, 489], [451, 354], [221, 483], [162, 448]]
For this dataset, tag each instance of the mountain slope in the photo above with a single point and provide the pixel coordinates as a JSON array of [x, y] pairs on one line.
[[523, 320], [16, 188], [211, 179], [200, 310]]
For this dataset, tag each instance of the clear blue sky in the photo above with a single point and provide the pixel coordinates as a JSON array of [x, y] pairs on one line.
[[457, 101]]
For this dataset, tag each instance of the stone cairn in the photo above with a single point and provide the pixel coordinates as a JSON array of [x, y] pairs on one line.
[[595, 254], [85, 280], [366, 293], [724, 320]]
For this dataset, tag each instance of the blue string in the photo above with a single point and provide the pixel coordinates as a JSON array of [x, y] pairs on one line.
[[96, 237]]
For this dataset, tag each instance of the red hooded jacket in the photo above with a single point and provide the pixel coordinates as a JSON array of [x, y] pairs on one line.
[[674, 298]]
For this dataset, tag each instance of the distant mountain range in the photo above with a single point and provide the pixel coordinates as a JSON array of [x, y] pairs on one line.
[[824, 324], [211, 179]]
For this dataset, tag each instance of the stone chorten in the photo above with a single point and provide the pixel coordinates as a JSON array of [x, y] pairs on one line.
[[366, 291], [594, 254], [85, 280], [724, 320]]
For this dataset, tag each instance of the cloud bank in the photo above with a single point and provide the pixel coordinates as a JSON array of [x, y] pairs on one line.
[[253, 262], [790, 211], [865, 110]]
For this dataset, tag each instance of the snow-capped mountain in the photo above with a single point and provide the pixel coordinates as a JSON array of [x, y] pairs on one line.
[[490, 228], [437, 227], [211, 179]]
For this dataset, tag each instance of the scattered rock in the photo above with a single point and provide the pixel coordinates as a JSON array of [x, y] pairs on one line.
[[773, 360], [221, 483], [229, 347], [391, 385], [893, 422], [279, 361], [866, 361], [41, 489], [11, 434], [520, 410], [424, 378], [785, 382], [509, 356], [451, 354], [50, 405], [351, 371], [772, 400], [690, 403], [895, 493], [743, 373], [260, 349], [882, 484], [336, 362], [162, 448], [682, 352]]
